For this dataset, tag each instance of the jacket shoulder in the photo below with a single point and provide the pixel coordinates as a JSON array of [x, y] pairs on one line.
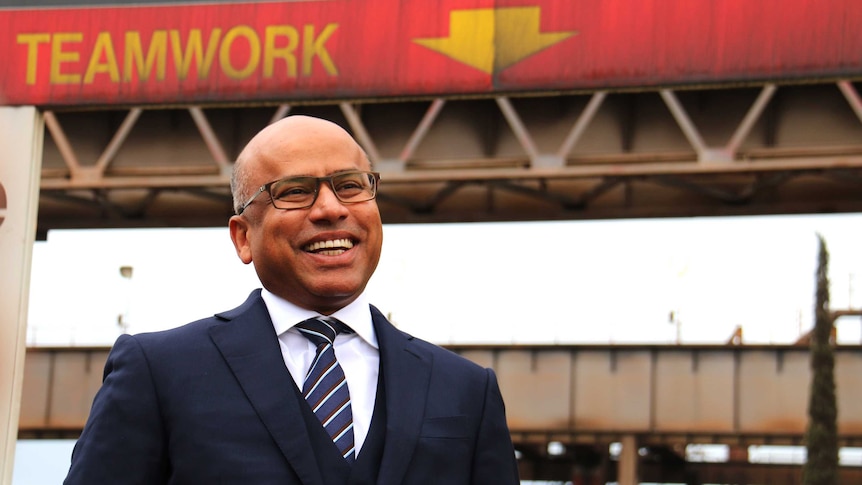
[[186, 335]]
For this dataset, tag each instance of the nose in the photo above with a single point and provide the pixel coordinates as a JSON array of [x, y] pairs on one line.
[[327, 207]]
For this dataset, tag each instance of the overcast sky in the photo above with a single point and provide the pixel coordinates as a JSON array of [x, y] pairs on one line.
[[570, 282]]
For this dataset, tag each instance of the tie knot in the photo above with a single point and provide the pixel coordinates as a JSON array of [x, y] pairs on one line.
[[322, 330]]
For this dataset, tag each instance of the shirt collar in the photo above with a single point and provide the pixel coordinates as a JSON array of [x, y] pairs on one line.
[[356, 315]]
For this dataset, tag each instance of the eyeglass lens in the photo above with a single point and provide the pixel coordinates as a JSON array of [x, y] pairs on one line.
[[301, 191]]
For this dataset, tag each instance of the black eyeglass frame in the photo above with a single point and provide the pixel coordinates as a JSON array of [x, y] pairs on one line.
[[374, 179]]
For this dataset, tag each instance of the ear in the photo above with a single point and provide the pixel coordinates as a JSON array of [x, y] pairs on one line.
[[239, 234]]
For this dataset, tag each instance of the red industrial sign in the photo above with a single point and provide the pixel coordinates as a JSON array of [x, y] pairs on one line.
[[325, 49]]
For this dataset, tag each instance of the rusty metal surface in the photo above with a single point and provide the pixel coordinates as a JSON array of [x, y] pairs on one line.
[[585, 397], [769, 149], [59, 386], [574, 394], [667, 394]]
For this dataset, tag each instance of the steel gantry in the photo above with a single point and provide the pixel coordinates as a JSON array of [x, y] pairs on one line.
[[755, 149]]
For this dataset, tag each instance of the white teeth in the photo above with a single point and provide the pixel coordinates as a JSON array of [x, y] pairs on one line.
[[335, 252], [339, 246]]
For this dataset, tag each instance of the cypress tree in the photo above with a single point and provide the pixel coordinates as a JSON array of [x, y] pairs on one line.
[[821, 437]]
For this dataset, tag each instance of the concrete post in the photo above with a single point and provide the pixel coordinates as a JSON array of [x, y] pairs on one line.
[[21, 132]]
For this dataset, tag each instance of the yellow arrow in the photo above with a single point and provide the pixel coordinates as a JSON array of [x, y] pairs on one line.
[[492, 39]]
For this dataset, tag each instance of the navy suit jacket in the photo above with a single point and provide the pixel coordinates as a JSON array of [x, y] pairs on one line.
[[212, 402]]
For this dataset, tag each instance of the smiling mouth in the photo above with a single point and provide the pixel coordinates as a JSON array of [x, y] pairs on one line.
[[333, 247]]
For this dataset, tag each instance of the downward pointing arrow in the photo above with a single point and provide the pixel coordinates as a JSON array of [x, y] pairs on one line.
[[493, 39]]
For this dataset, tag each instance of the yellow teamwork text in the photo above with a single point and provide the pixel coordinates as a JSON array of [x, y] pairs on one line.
[[191, 53]]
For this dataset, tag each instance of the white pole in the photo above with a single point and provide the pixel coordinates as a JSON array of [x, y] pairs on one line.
[[21, 131]]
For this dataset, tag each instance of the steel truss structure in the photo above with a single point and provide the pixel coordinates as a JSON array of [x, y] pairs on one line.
[[756, 149]]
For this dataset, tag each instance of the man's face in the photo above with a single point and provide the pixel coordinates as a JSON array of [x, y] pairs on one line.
[[285, 245]]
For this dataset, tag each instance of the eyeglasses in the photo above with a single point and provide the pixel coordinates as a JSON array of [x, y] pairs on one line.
[[301, 192]]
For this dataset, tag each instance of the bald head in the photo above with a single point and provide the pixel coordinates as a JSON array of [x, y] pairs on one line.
[[278, 139]]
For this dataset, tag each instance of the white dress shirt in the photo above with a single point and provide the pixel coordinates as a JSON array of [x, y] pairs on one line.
[[357, 353]]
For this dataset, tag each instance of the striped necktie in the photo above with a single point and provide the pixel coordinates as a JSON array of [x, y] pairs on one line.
[[325, 388]]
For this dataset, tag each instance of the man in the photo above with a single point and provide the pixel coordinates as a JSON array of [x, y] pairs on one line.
[[228, 399]]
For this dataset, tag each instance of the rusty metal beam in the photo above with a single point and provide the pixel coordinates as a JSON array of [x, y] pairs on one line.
[[572, 393], [802, 155]]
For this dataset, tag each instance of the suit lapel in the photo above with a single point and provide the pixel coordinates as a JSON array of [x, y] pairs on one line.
[[248, 343], [406, 374]]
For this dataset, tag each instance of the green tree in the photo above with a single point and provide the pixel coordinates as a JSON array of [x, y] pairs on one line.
[[821, 438]]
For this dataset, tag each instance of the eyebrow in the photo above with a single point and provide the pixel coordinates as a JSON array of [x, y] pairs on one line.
[[346, 170]]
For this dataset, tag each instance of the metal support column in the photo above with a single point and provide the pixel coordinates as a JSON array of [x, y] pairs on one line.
[[627, 473], [20, 167]]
